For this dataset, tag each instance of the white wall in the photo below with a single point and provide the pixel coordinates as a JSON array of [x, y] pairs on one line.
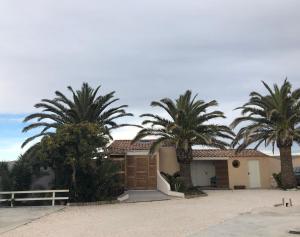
[[164, 187], [202, 172]]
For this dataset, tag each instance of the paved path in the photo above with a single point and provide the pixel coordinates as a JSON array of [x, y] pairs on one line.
[[10, 218], [146, 196]]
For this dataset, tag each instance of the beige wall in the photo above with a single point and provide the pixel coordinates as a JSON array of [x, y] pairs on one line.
[[275, 164], [167, 160], [268, 166], [239, 176], [296, 161]]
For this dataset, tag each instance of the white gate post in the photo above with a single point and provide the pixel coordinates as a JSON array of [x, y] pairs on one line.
[[12, 199], [53, 198]]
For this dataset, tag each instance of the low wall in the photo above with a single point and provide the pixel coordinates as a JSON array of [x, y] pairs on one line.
[[164, 187]]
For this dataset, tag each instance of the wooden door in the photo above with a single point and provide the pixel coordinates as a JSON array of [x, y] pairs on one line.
[[141, 172]]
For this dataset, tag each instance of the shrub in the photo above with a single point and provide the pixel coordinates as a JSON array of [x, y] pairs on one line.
[[19, 178], [194, 192], [97, 182], [86, 183], [109, 184], [22, 174], [277, 178], [5, 177], [175, 181]]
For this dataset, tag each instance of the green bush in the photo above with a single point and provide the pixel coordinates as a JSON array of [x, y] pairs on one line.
[[277, 178], [17, 178], [194, 192], [109, 184], [22, 174], [5, 177], [175, 181], [97, 182], [85, 185]]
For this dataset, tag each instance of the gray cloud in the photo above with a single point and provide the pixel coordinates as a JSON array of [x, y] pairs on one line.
[[146, 50]]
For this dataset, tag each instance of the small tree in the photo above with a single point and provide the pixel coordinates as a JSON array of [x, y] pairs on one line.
[[72, 152]]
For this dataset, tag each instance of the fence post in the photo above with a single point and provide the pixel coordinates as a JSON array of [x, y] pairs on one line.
[[12, 200], [53, 198]]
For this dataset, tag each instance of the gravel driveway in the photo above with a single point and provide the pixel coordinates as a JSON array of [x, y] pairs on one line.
[[265, 222], [179, 217], [10, 218]]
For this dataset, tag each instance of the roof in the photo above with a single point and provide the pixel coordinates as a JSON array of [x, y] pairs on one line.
[[126, 145], [119, 146], [227, 153], [293, 156]]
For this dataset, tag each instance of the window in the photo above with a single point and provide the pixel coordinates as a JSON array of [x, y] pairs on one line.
[[236, 163]]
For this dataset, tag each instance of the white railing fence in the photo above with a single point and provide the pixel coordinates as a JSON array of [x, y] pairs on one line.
[[12, 196]]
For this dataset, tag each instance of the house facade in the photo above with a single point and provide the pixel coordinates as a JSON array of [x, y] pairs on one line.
[[215, 168], [247, 169]]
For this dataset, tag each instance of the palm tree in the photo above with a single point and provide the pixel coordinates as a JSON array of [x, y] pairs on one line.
[[272, 119], [186, 126], [84, 106]]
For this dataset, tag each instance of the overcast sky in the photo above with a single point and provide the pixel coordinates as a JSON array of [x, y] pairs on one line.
[[143, 49]]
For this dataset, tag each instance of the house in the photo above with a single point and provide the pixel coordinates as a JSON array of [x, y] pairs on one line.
[[230, 170]]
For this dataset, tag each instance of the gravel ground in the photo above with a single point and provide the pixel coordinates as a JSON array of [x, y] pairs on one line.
[[179, 217], [266, 222], [10, 218]]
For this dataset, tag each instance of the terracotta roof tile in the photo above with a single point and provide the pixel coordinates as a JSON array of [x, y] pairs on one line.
[[119, 146], [227, 153], [125, 145]]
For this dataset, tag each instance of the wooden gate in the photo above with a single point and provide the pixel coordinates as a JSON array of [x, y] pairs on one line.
[[141, 172]]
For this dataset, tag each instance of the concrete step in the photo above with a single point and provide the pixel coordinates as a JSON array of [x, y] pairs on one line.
[[145, 196]]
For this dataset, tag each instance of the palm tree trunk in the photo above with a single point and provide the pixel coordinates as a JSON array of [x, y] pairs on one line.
[[288, 179], [184, 159], [185, 173]]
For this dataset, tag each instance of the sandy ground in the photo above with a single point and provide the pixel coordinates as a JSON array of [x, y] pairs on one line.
[[10, 218], [265, 222], [180, 217]]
